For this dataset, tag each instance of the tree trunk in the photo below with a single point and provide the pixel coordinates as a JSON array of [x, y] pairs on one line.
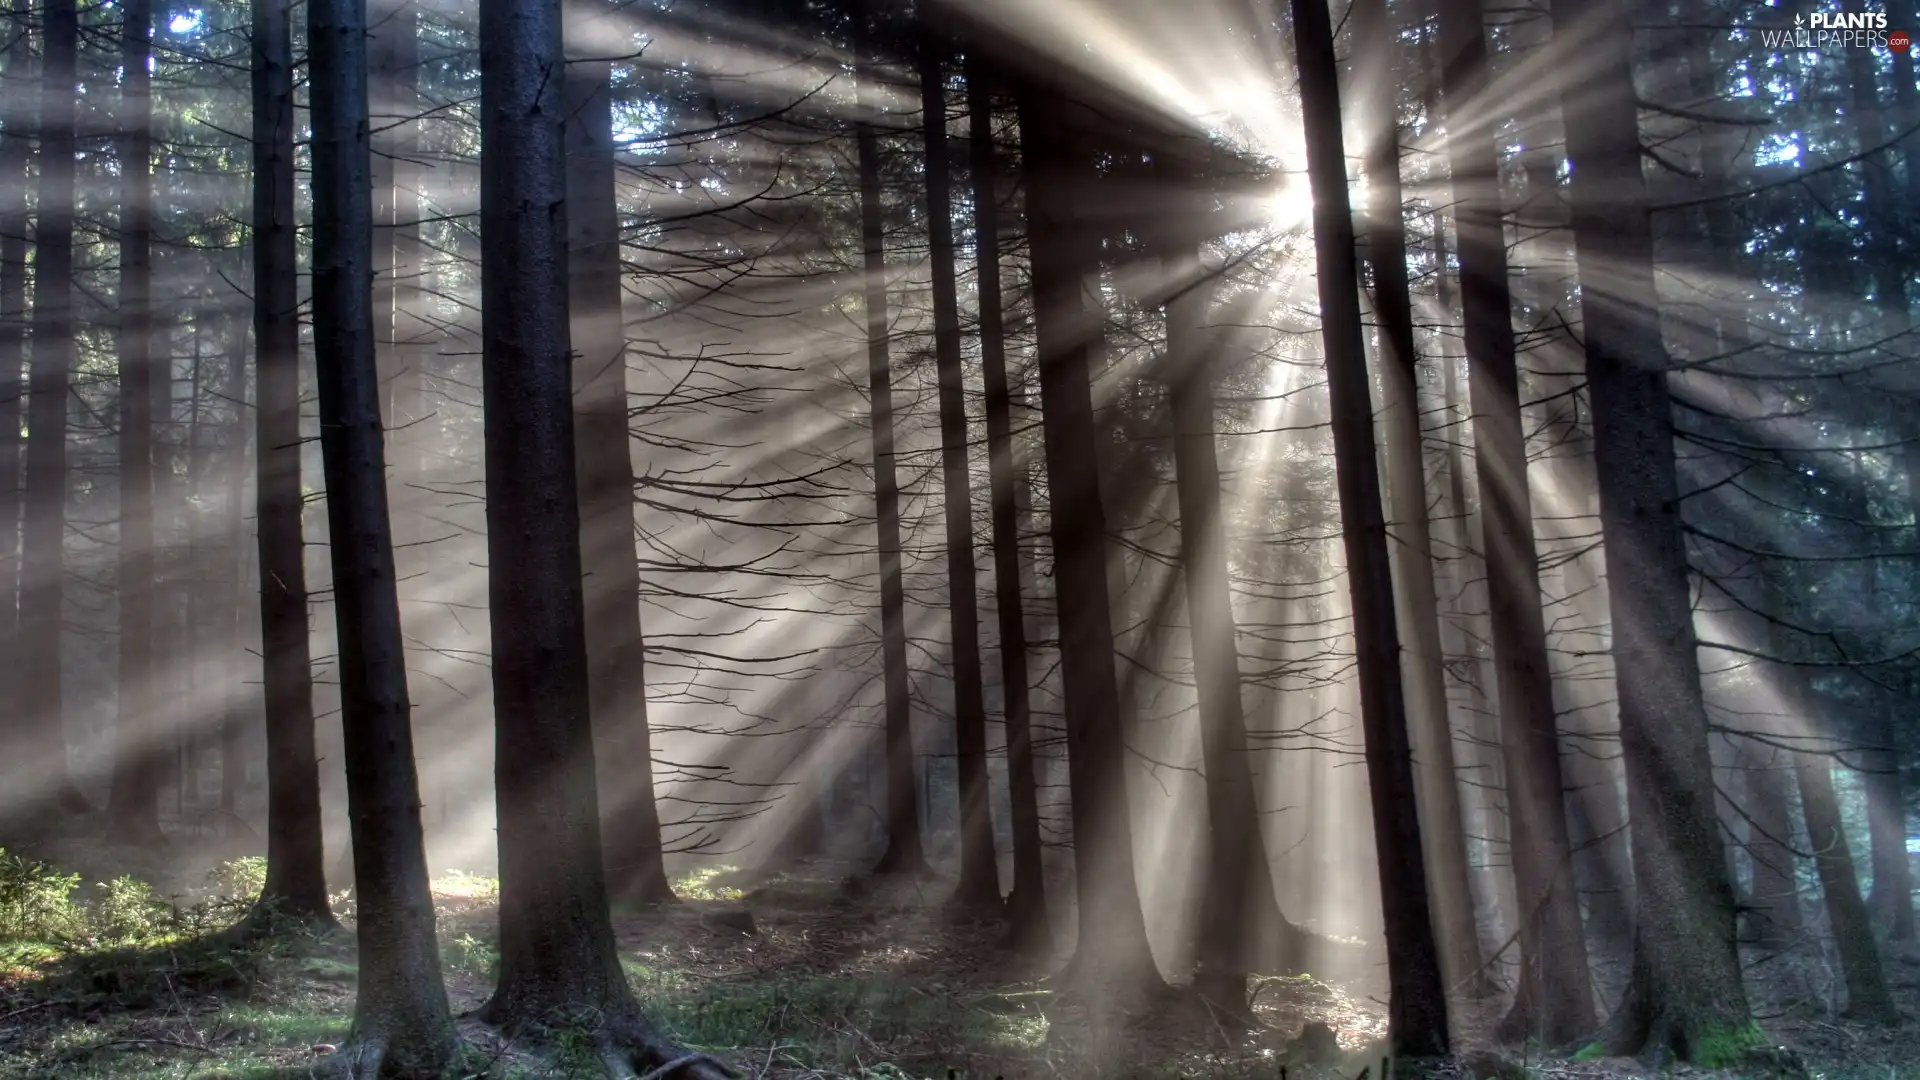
[[1867, 996], [401, 1020], [1487, 773], [1112, 951], [1892, 897], [230, 647], [1027, 901], [1555, 1001], [557, 952], [979, 868], [616, 651], [1239, 910], [133, 804], [1419, 609], [1685, 996], [296, 883], [43, 549], [17, 735], [1417, 1005], [904, 851]]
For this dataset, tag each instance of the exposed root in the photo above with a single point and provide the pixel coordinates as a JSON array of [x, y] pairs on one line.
[[634, 1045], [360, 1060]]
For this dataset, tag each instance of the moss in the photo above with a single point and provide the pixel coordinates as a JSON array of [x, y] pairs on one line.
[[1723, 1048], [1591, 1052]]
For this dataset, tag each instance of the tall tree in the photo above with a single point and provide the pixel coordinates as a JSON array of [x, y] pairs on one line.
[[1417, 1005], [43, 547], [1556, 998], [904, 852], [133, 804], [17, 737], [1027, 899], [1238, 907], [557, 953], [1685, 996], [979, 865], [1892, 896], [616, 653], [1386, 245], [296, 884], [232, 469], [401, 1020], [1112, 950]]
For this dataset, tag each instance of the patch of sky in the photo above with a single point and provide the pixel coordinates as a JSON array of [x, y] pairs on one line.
[[1777, 149], [186, 22]]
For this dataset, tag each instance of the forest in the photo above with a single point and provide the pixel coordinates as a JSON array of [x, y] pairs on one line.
[[901, 539]]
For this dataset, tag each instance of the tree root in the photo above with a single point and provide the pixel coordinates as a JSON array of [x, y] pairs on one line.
[[354, 1061], [631, 1046]]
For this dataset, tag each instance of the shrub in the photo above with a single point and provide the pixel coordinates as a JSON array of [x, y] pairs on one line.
[[36, 902]]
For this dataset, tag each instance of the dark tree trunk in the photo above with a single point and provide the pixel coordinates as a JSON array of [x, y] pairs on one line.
[[1239, 910], [230, 647], [1685, 997], [904, 851], [1112, 950], [296, 883], [1892, 897], [17, 736], [1555, 1002], [133, 804], [1776, 921], [616, 651], [1027, 900], [1417, 1005], [43, 551], [401, 1020], [1435, 780], [979, 867], [1867, 996], [557, 951]]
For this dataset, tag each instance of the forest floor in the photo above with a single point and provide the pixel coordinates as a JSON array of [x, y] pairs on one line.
[[788, 977]]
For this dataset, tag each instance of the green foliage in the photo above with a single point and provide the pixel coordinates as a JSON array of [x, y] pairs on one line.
[[1723, 1049], [1590, 1052], [704, 884], [239, 879], [36, 902], [465, 954]]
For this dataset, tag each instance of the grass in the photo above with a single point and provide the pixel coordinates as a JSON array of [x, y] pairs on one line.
[[107, 980]]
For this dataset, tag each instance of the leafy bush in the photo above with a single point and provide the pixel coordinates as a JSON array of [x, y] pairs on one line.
[[36, 902], [125, 911], [239, 879]]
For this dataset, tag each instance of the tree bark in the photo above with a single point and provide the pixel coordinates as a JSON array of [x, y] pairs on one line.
[[1239, 910], [133, 803], [1112, 951], [979, 866], [230, 647], [1867, 996], [1892, 897], [1027, 901], [17, 736], [904, 851], [296, 859], [616, 650], [1419, 609], [1417, 1005], [1555, 1001], [1685, 997], [557, 952], [401, 1019], [43, 548]]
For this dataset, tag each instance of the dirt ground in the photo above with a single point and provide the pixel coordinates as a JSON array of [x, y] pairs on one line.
[[792, 976]]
